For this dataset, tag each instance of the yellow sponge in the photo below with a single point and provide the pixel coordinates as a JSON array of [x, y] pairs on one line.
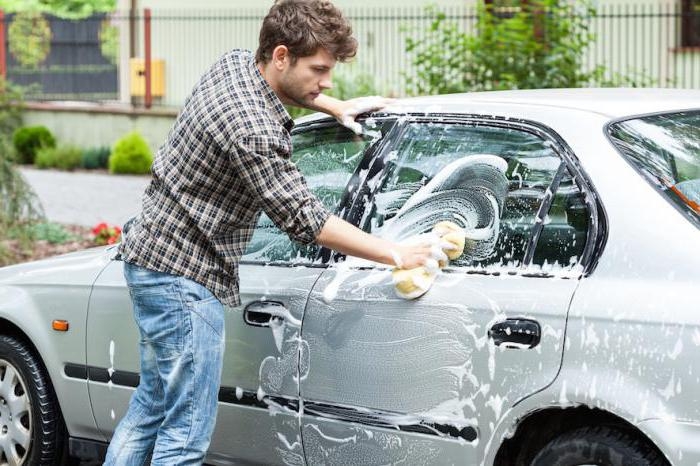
[[452, 234], [448, 243], [412, 283]]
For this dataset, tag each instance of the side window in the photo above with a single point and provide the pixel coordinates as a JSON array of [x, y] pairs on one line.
[[327, 155], [565, 228], [489, 180]]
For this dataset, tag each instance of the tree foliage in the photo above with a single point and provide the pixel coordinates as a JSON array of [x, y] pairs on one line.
[[541, 45], [18, 204], [73, 9]]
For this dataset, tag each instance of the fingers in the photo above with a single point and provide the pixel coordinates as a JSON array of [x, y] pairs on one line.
[[362, 105], [349, 122]]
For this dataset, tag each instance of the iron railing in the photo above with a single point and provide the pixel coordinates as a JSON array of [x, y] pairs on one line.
[[89, 59]]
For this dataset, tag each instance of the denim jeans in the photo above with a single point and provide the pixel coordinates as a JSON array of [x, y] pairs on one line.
[[173, 411]]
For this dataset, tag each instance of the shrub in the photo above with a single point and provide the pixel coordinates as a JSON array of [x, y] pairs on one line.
[[131, 154], [11, 107], [540, 46], [29, 139], [50, 232], [95, 157], [63, 157], [18, 203]]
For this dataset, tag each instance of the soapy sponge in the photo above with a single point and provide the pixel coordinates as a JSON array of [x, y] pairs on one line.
[[447, 240]]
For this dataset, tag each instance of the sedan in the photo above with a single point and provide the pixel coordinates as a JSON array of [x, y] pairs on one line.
[[567, 333]]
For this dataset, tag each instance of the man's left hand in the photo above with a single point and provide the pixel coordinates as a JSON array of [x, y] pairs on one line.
[[353, 107]]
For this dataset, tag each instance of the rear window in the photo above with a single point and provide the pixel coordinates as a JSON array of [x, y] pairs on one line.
[[666, 150]]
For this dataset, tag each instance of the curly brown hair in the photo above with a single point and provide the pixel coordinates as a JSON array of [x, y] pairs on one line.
[[303, 26]]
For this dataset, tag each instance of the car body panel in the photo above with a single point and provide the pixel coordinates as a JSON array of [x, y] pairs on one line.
[[428, 361], [32, 296], [350, 373]]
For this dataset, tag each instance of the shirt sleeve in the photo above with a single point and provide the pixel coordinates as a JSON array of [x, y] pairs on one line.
[[263, 162]]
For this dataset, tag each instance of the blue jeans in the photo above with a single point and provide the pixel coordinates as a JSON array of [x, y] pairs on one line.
[[173, 411]]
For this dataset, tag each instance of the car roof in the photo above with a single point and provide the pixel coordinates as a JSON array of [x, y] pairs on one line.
[[608, 103]]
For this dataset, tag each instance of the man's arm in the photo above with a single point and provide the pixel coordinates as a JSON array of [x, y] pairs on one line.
[[343, 237], [345, 111]]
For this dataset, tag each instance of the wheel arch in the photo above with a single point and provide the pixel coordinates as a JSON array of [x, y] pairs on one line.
[[539, 427]]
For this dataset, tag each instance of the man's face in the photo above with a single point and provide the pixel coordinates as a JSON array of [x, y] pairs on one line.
[[303, 81]]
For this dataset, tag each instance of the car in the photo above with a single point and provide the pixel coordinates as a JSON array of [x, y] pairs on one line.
[[567, 333]]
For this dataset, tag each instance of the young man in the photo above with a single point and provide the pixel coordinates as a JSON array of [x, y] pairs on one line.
[[226, 159]]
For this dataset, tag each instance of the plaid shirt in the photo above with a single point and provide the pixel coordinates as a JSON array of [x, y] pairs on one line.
[[226, 158]]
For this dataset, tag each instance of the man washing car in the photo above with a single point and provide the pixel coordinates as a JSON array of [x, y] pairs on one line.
[[226, 159]]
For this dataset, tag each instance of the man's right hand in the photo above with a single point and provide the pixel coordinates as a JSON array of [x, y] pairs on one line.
[[410, 257]]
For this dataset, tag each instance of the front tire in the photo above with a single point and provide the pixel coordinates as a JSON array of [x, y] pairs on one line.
[[31, 427], [600, 446]]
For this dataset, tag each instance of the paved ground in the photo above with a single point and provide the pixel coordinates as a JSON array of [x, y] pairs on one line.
[[85, 198]]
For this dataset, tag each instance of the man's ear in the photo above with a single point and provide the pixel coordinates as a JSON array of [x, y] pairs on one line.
[[280, 57]]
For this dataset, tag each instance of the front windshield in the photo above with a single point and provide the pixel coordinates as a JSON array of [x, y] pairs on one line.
[[666, 150]]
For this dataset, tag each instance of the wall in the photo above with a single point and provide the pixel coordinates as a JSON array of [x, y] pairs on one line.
[[87, 125]]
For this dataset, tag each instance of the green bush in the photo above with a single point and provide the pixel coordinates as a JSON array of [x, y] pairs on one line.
[[95, 157], [63, 157], [29, 139], [542, 45], [131, 154], [50, 232]]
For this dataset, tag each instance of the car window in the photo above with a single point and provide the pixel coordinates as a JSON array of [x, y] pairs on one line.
[[565, 227], [489, 180], [665, 149], [327, 155]]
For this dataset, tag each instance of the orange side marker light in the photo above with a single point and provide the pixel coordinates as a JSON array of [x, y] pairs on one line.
[[60, 325]]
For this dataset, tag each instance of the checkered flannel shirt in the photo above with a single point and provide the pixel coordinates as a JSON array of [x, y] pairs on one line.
[[226, 159]]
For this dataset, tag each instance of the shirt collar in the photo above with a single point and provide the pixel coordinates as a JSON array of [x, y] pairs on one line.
[[275, 105]]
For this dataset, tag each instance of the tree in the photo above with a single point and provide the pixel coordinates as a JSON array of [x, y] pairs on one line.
[[541, 45], [73, 9]]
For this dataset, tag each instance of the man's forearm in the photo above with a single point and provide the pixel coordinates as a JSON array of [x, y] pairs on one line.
[[327, 104], [343, 237]]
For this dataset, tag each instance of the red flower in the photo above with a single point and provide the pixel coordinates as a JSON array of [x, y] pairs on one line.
[[106, 234]]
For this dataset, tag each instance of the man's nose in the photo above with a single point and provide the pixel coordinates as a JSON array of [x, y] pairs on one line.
[[326, 83]]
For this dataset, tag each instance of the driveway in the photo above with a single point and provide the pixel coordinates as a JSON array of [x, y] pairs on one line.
[[86, 198]]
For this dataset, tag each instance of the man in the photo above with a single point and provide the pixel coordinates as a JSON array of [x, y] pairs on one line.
[[226, 158]]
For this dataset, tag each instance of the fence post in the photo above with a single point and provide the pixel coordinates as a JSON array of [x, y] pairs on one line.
[[148, 98], [3, 60]]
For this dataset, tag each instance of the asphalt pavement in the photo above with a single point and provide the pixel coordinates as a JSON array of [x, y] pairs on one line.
[[86, 198]]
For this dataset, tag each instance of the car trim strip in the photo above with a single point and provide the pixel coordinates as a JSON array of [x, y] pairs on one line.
[[236, 396], [385, 419]]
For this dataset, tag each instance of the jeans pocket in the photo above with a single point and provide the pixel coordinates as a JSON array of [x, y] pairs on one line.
[[160, 315], [204, 304]]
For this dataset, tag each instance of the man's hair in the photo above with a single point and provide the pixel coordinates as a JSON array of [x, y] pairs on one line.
[[304, 26]]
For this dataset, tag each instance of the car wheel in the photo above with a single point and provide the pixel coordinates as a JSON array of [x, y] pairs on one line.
[[599, 446], [31, 427]]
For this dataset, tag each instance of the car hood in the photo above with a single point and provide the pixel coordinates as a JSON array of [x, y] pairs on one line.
[[77, 268]]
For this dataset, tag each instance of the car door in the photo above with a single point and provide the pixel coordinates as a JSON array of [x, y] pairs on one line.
[[257, 419], [426, 381]]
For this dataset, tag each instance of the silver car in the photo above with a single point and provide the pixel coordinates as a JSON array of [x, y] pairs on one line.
[[568, 332]]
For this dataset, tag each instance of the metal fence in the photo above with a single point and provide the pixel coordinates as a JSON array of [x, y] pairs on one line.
[[90, 59], [60, 59]]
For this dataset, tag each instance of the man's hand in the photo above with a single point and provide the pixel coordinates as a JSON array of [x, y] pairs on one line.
[[350, 109], [345, 111], [410, 257]]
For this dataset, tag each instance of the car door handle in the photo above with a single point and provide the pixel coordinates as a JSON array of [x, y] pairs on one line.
[[516, 333], [261, 313]]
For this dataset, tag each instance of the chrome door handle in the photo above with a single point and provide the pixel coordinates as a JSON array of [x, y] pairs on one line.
[[516, 333], [261, 313]]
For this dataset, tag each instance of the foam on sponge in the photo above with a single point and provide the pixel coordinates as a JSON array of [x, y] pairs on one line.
[[447, 240]]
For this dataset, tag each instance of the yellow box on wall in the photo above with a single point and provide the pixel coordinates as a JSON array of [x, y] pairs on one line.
[[138, 81]]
